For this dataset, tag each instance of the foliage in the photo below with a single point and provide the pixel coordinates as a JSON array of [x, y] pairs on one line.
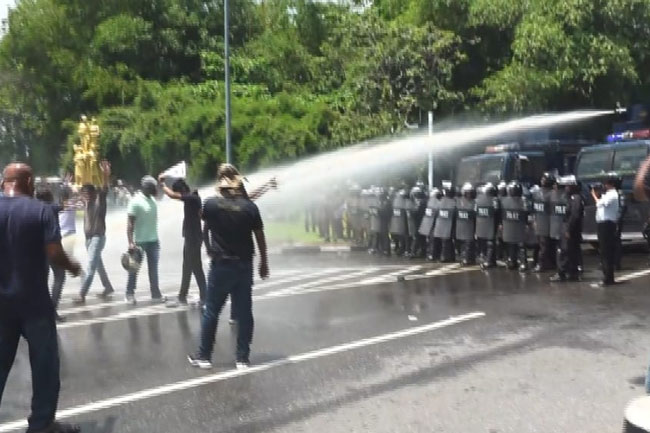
[[307, 76]]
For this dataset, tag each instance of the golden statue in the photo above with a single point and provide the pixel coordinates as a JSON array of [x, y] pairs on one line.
[[86, 169]]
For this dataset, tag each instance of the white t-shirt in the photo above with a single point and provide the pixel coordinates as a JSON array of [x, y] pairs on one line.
[[68, 222]]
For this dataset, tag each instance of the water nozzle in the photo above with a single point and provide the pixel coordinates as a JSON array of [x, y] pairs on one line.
[[619, 109]]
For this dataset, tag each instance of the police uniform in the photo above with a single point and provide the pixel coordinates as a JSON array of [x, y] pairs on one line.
[[385, 217], [466, 225], [415, 215], [488, 211], [569, 206], [399, 224], [428, 224], [514, 217], [445, 226], [607, 217], [547, 245], [374, 204]]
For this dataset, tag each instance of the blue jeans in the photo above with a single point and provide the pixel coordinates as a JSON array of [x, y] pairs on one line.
[[152, 251], [234, 278], [40, 333], [95, 245], [647, 382]]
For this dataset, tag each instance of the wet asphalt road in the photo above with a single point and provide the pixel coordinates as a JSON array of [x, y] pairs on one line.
[[521, 355]]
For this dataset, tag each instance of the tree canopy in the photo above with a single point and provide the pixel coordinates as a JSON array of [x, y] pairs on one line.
[[308, 76]]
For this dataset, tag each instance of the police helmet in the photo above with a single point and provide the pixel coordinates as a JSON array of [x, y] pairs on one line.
[[548, 179], [502, 188], [448, 189], [417, 192], [131, 260], [468, 190], [489, 189], [534, 189], [435, 192], [403, 192], [514, 189]]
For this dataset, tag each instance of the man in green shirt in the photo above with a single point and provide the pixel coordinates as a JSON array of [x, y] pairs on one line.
[[142, 232]]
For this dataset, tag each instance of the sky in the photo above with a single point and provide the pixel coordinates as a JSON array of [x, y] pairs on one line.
[[3, 8]]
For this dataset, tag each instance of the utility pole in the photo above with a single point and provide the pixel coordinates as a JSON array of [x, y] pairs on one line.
[[226, 39], [430, 151]]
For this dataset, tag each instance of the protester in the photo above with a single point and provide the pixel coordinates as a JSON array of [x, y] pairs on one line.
[[95, 231], [607, 214], [230, 221], [192, 235], [29, 239], [142, 232]]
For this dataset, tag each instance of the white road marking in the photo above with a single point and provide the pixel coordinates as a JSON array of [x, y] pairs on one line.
[[160, 309], [391, 276], [222, 376], [627, 277], [329, 280]]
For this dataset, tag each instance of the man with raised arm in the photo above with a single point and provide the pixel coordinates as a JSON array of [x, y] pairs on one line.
[[95, 231], [231, 220], [29, 239]]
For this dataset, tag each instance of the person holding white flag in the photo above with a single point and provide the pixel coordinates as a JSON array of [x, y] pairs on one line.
[[192, 233]]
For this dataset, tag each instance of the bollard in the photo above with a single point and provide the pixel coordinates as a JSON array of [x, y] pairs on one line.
[[637, 416]]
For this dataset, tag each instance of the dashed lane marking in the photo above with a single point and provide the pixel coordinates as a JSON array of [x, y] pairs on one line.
[[162, 390]]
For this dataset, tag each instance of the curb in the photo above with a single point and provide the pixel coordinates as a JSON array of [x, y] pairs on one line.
[[637, 416]]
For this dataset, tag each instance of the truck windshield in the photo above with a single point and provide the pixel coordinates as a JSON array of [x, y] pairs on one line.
[[594, 164], [480, 170], [626, 161]]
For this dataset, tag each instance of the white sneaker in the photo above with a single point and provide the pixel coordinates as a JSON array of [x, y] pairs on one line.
[[242, 365], [130, 300], [197, 361]]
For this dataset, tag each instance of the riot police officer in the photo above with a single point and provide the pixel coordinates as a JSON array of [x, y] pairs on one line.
[[415, 214], [354, 217], [445, 224], [569, 207], [542, 211], [385, 217], [375, 220], [502, 193], [364, 210], [514, 217], [399, 224], [531, 238], [488, 211], [466, 224], [428, 224]]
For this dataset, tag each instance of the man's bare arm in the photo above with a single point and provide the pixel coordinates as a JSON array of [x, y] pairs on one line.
[[261, 245], [59, 258], [259, 192], [167, 190], [130, 227]]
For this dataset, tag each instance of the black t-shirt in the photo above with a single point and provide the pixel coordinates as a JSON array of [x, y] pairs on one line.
[[95, 217], [231, 222], [26, 226], [192, 219]]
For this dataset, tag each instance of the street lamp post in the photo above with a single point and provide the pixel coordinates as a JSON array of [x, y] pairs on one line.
[[226, 38]]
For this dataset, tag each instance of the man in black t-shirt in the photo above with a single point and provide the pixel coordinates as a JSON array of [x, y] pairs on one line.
[[231, 220], [29, 240], [191, 233]]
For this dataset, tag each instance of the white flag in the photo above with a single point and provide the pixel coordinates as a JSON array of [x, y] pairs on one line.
[[178, 171]]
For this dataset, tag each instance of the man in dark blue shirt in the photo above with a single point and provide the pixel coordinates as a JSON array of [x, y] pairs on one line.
[[29, 240], [231, 220]]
